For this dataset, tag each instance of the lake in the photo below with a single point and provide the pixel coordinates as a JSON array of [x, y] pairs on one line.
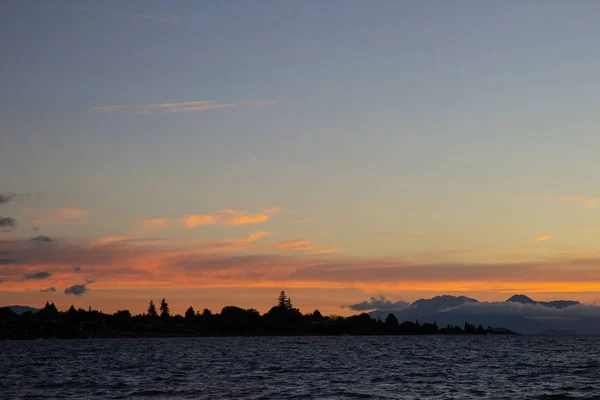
[[345, 367]]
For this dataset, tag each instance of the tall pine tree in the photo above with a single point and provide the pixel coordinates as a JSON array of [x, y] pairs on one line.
[[164, 308], [152, 309], [189, 314]]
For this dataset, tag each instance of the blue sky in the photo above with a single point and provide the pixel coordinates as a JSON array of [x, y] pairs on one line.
[[391, 129]]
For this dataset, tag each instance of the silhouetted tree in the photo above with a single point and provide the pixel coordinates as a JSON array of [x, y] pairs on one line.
[[122, 314], [49, 312], [281, 319], [7, 313], [316, 316], [409, 328], [164, 308], [152, 309], [283, 300], [189, 314], [391, 323]]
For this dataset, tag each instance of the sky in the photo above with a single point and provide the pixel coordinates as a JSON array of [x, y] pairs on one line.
[[215, 153]]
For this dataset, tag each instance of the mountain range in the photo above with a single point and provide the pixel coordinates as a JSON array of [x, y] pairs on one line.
[[519, 313], [23, 309]]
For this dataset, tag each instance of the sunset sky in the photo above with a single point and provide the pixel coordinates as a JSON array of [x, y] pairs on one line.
[[214, 153]]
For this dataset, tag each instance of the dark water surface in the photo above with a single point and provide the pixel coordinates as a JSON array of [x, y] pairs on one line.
[[392, 367]]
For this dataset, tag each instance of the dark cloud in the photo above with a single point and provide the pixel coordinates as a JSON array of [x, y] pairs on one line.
[[50, 289], [7, 224], [8, 197], [38, 275], [1, 281], [77, 269], [5, 198], [76, 290], [7, 261], [377, 303], [42, 239]]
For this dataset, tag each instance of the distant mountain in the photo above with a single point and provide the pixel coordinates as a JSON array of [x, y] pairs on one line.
[[519, 313], [22, 309], [442, 302], [559, 303], [521, 298]]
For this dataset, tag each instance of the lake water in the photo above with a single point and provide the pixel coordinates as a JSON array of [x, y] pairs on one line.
[[392, 367]]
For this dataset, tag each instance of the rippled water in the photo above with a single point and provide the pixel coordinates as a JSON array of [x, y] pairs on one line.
[[446, 367]]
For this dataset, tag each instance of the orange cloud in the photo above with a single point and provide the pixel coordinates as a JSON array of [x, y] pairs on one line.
[[247, 219], [112, 239], [585, 201], [325, 251], [192, 221], [230, 217], [161, 223], [257, 235], [304, 245], [55, 216], [128, 267], [299, 244], [541, 238]]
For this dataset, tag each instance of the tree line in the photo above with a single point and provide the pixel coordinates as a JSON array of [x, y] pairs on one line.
[[281, 319]]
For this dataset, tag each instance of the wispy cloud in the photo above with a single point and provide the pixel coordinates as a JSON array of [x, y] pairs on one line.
[[242, 217], [47, 290], [166, 19], [325, 251], [152, 225], [113, 239], [304, 245], [5, 198], [257, 235], [8, 197], [585, 201], [299, 244], [541, 238], [192, 221], [229, 217], [219, 262], [180, 107], [56, 216]]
